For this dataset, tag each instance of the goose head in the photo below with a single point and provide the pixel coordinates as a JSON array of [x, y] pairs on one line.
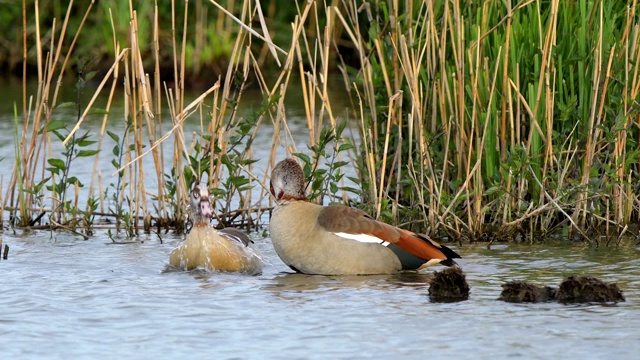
[[287, 181]]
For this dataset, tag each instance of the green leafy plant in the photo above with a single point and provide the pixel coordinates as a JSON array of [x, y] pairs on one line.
[[117, 201], [327, 180], [59, 168], [76, 147]]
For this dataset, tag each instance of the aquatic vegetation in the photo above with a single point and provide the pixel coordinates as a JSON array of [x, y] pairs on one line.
[[579, 289], [523, 292], [448, 285], [572, 289], [329, 179]]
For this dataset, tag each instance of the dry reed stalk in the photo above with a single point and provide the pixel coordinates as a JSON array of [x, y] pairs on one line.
[[144, 94], [324, 78], [29, 149], [154, 127], [366, 98], [280, 86], [71, 47], [581, 211], [24, 66], [385, 151], [474, 149], [264, 190], [114, 83], [368, 153], [622, 191], [273, 48], [179, 144]]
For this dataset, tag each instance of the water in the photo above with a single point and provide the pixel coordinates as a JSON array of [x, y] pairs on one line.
[[67, 298], [62, 297]]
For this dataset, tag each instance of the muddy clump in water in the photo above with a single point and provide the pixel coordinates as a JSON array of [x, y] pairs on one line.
[[579, 289], [573, 289], [520, 292], [448, 285]]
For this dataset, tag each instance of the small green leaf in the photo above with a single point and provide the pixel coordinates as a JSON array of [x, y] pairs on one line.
[[345, 147], [246, 162], [87, 153], [114, 136], [351, 189], [61, 137], [90, 75], [55, 125], [68, 104], [226, 161], [83, 143], [493, 190], [74, 180], [304, 157], [239, 180], [218, 192], [57, 163], [317, 183]]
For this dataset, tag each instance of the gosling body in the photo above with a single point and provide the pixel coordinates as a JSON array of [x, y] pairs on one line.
[[228, 250]]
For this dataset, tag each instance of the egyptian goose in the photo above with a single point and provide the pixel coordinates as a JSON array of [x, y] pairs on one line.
[[205, 247], [336, 240]]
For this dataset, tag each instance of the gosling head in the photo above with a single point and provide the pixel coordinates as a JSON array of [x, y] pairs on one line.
[[200, 206]]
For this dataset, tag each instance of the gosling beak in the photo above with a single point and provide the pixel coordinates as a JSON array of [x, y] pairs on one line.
[[205, 208]]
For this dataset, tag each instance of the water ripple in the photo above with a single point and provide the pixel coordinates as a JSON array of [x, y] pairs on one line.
[[65, 298]]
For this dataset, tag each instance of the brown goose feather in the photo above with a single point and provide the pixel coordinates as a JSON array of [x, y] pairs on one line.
[[342, 219]]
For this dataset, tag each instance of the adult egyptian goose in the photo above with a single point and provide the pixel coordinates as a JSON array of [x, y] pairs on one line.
[[336, 240], [205, 247]]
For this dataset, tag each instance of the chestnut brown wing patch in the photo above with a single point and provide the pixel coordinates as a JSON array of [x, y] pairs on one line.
[[343, 219]]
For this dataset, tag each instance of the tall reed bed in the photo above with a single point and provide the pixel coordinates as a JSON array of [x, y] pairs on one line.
[[42, 193], [512, 117], [474, 118]]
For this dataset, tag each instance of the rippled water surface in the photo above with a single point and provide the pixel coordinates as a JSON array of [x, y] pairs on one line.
[[66, 298]]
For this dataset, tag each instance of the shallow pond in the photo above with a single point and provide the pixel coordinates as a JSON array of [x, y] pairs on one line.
[[66, 298], [62, 297]]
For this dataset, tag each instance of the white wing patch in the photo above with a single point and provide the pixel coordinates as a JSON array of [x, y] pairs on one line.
[[362, 238]]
